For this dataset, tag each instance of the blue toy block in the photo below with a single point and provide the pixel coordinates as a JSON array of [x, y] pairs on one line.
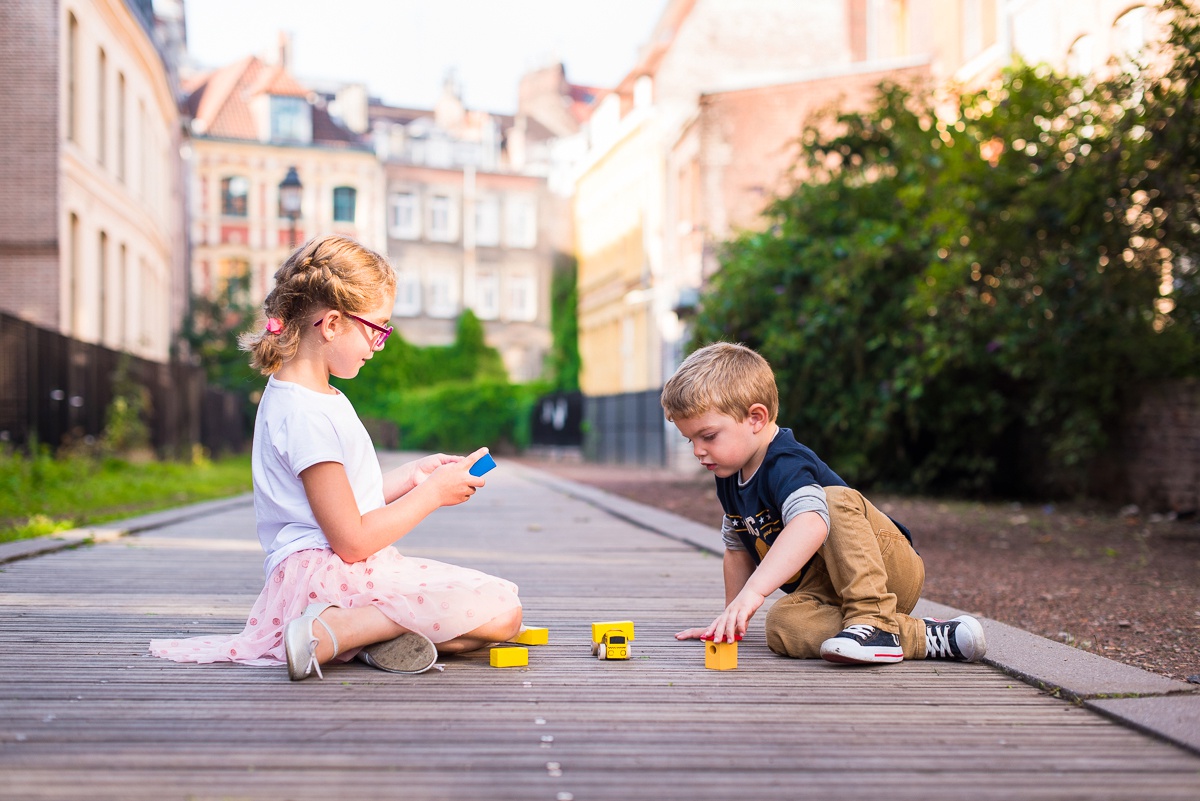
[[485, 463]]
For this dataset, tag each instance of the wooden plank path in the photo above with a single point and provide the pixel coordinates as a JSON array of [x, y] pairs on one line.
[[86, 714]]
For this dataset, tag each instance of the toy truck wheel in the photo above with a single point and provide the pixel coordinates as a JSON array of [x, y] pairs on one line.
[[601, 651]]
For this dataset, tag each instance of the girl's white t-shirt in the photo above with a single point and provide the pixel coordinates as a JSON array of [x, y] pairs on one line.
[[294, 429]]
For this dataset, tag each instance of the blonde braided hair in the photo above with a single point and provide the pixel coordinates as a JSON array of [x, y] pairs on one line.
[[329, 272]]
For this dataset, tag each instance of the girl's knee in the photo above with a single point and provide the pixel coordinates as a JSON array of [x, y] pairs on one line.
[[510, 622]]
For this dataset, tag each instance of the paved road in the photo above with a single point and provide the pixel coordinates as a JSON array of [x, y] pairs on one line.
[[85, 713]]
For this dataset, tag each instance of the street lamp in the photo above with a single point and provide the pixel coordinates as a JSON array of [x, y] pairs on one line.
[[289, 200]]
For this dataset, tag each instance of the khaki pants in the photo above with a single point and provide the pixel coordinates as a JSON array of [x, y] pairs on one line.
[[866, 572]]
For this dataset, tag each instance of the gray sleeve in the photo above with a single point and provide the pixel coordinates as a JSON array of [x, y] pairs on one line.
[[806, 499], [732, 541]]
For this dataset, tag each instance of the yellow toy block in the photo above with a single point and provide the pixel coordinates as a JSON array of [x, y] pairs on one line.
[[532, 635], [509, 657], [613, 626], [720, 655]]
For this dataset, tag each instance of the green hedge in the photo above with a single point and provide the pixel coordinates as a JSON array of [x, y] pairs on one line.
[[460, 417]]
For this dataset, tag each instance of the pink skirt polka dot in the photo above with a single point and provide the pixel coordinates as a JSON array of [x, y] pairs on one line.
[[447, 602]]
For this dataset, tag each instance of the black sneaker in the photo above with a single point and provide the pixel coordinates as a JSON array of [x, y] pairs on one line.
[[860, 644], [959, 638]]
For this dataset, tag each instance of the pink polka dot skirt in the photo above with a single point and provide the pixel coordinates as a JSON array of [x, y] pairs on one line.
[[440, 600]]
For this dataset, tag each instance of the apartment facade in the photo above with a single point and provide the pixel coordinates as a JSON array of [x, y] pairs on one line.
[[253, 124], [629, 224], [92, 238], [472, 223]]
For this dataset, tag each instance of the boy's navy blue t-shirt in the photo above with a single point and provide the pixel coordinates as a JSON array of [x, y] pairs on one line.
[[755, 509]]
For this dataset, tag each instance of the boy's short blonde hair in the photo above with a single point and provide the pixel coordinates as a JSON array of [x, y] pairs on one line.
[[724, 377]]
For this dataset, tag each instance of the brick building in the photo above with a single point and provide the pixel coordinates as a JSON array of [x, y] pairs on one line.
[[91, 229]]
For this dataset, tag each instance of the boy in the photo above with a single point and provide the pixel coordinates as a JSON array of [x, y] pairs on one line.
[[850, 572]]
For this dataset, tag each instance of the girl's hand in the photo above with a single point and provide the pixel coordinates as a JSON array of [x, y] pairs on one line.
[[452, 482], [423, 468]]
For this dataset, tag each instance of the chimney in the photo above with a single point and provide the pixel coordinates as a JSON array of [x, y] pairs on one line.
[[283, 56]]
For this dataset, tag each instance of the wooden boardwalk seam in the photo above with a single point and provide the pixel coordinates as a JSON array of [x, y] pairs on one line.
[[85, 713]]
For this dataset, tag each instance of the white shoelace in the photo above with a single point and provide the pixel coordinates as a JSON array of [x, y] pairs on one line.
[[859, 630], [937, 641]]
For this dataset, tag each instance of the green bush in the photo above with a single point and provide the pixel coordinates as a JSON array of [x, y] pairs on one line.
[[455, 398], [460, 417], [968, 300]]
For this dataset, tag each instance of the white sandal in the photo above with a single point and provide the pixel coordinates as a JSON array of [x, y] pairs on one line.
[[301, 644]]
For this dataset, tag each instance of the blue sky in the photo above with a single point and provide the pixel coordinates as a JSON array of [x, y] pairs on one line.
[[402, 49]]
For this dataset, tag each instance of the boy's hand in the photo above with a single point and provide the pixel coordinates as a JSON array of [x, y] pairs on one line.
[[732, 623], [691, 634]]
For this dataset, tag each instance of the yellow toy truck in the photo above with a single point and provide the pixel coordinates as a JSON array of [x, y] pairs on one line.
[[610, 640]]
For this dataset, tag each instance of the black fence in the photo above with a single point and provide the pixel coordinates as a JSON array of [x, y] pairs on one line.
[[625, 429], [56, 391], [557, 421]]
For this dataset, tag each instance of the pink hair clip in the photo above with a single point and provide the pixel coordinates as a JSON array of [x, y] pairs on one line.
[[274, 325]]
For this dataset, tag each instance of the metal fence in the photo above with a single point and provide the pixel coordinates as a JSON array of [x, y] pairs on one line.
[[625, 429], [56, 391], [557, 420]]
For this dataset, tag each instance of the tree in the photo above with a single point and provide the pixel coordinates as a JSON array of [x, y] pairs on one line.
[[966, 293]]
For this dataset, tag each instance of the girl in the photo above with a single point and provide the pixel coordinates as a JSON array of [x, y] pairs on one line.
[[326, 514]]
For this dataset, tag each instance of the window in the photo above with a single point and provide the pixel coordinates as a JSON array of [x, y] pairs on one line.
[[442, 300], [144, 162], [408, 294], [72, 315], [487, 221], [233, 280], [343, 203], [522, 298], [521, 229], [291, 120], [487, 295], [235, 192], [1081, 58], [972, 28], [441, 222], [103, 280], [72, 68], [121, 126], [101, 111], [643, 92], [123, 287], [1130, 33], [404, 217]]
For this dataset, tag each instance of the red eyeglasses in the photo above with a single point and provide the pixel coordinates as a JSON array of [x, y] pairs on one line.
[[380, 337]]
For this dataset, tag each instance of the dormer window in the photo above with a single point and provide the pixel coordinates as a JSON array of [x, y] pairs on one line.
[[291, 120]]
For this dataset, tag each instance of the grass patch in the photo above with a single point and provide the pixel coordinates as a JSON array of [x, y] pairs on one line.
[[41, 495]]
